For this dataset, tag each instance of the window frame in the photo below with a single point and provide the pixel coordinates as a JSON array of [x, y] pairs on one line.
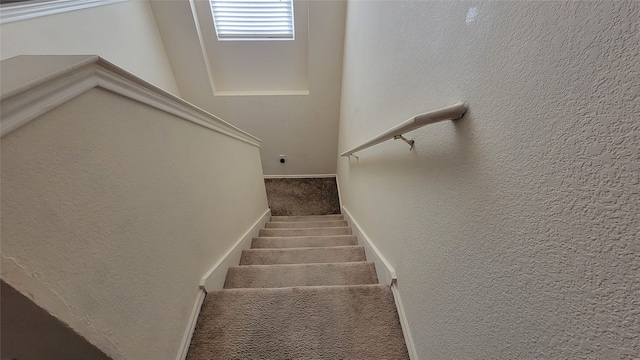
[[253, 36]]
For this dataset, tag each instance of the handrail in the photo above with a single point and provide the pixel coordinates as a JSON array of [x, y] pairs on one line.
[[452, 112]]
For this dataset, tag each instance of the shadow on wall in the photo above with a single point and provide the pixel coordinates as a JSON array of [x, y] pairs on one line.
[[30, 332]]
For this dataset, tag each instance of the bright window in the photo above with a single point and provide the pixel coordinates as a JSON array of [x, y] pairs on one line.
[[253, 19]]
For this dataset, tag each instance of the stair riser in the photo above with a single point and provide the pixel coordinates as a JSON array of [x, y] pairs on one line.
[[305, 232], [278, 276], [304, 224], [302, 256], [303, 241], [307, 218]]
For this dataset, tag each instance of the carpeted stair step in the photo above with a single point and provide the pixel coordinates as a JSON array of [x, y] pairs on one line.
[[303, 241], [325, 322], [306, 232], [310, 255], [275, 276], [304, 224], [308, 218]]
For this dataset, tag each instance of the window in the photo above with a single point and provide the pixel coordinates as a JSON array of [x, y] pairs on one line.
[[253, 19]]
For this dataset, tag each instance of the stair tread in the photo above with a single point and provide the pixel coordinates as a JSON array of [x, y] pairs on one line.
[[304, 224], [307, 217], [275, 242], [305, 255], [316, 322], [287, 275], [342, 230]]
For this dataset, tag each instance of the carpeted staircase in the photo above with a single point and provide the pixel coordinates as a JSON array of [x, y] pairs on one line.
[[303, 291]]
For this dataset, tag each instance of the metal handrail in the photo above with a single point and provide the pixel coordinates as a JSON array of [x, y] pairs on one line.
[[452, 112]]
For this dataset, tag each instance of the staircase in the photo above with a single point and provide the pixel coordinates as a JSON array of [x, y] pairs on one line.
[[303, 291]]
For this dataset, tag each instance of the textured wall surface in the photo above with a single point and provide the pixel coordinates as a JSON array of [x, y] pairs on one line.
[[113, 211], [123, 33], [303, 127], [514, 231]]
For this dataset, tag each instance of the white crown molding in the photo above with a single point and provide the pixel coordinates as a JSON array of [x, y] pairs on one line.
[[28, 101], [30, 9]]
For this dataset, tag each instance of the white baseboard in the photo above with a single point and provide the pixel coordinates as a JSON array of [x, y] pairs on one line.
[[404, 322], [191, 326], [214, 278], [386, 275], [307, 176], [339, 192]]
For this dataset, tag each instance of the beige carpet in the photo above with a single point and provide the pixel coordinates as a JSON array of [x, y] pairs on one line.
[[303, 291], [303, 255], [303, 241], [316, 196]]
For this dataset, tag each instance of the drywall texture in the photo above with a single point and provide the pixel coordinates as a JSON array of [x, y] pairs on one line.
[[124, 33], [112, 212], [302, 127], [514, 231]]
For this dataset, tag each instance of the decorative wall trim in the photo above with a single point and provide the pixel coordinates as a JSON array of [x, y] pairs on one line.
[[404, 323], [26, 102], [31, 9], [386, 275], [191, 326], [308, 176], [214, 278]]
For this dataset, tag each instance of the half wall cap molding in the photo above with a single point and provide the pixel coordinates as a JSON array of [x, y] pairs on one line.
[[25, 98], [11, 12]]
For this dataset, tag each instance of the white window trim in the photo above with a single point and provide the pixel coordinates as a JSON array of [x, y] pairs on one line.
[[18, 11], [257, 36]]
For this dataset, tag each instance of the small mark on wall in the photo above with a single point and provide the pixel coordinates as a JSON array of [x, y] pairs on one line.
[[595, 149], [471, 15]]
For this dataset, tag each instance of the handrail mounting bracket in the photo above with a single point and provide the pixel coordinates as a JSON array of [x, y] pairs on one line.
[[448, 113], [410, 142]]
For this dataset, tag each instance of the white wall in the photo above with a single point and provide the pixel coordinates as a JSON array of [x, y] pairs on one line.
[[124, 33], [514, 232], [113, 211], [303, 127]]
